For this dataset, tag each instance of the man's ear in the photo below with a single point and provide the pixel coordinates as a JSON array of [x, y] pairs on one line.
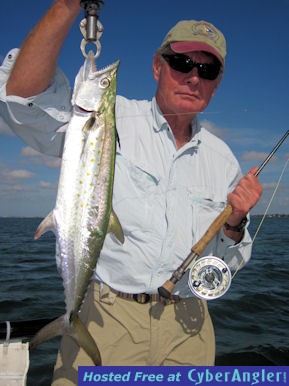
[[156, 66]]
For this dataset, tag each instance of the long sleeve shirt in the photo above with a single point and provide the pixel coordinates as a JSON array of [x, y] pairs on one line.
[[164, 197]]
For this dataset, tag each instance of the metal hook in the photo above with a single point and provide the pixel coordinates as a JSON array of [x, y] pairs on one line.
[[90, 27], [91, 8], [85, 41]]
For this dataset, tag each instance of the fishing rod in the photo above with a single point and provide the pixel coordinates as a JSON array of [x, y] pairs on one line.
[[210, 277], [214, 270]]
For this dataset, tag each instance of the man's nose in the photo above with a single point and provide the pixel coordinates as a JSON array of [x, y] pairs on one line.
[[193, 76]]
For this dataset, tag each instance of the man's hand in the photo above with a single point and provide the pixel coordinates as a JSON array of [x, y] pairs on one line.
[[37, 60], [243, 198]]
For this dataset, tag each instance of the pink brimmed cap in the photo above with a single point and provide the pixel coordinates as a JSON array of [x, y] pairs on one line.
[[192, 35]]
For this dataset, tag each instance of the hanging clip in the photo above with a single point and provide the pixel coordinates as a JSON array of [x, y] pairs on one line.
[[90, 27]]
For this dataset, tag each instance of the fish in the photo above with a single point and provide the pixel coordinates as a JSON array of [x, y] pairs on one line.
[[83, 213]]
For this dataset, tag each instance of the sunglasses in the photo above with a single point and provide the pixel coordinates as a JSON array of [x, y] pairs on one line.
[[183, 63]]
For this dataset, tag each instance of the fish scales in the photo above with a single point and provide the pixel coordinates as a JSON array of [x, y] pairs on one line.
[[83, 213]]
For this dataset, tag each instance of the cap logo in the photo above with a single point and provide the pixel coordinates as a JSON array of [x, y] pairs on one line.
[[205, 30], [202, 32], [208, 29]]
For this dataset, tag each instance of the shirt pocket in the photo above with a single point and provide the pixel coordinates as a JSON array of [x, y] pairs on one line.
[[135, 187], [205, 210]]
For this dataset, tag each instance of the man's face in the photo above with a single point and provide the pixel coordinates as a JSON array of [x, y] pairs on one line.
[[183, 93]]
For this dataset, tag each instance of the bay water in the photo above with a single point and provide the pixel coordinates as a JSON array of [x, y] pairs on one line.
[[251, 320]]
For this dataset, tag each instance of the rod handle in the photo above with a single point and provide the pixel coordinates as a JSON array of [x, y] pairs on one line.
[[213, 229], [167, 288]]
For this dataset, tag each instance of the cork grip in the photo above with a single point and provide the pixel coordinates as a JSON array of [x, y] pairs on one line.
[[214, 228]]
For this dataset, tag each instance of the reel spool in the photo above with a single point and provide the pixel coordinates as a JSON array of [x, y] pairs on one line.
[[209, 278]]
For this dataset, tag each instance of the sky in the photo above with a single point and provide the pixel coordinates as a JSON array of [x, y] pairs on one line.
[[249, 111]]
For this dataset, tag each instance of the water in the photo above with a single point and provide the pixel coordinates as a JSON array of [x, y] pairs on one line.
[[251, 320], [31, 287]]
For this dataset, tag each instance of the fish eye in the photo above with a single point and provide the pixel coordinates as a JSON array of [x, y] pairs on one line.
[[105, 82]]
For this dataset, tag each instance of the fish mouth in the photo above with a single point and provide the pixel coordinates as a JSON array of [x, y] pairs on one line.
[[90, 70], [107, 68]]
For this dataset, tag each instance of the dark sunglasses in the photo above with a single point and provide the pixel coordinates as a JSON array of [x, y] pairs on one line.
[[183, 63]]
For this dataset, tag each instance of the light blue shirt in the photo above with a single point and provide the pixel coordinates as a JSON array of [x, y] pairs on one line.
[[165, 197]]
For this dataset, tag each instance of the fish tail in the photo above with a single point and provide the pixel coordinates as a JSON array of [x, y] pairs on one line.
[[83, 338], [51, 330], [74, 328]]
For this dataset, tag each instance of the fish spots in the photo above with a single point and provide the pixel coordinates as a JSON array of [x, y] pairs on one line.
[[84, 205], [99, 232]]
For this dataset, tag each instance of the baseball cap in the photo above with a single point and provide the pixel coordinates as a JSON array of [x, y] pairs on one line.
[[193, 35]]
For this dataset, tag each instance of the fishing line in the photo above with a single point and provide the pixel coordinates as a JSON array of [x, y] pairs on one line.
[[266, 211], [123, 116], [198, 113], [273, 195]]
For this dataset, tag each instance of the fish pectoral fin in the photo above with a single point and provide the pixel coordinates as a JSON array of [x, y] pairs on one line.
[[115, 227], [51, 330], [48, 224], [83, 338]]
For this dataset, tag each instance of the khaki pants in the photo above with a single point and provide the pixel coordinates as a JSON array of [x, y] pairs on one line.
[[131, 334]]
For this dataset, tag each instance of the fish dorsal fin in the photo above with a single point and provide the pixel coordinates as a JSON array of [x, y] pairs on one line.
[[115, 227]]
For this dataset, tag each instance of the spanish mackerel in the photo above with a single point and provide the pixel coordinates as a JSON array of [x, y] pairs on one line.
[[83, 213]]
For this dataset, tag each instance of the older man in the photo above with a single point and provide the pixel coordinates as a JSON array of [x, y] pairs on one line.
[[172, 179]]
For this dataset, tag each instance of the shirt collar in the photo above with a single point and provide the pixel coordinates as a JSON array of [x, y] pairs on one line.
[[159, 122]]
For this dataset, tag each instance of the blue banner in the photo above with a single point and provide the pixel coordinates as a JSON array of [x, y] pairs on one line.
[[186, 375]]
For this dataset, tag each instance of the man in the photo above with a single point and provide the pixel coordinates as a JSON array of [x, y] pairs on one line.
[[172, 179]]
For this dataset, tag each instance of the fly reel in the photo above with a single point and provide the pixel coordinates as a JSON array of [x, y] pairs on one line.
[[209, 278]]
